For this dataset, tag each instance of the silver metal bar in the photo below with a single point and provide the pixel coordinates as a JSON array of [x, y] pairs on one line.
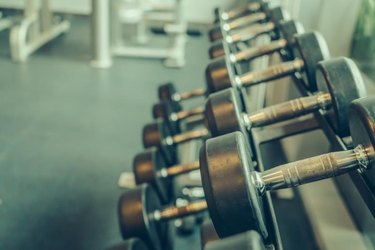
[[188, 113], [288, 110], [246, 34], [178, 212], [179, 169], [312, 169], [254, 52], [233, 13], [245, 20], [191, 94], [187, 136], [100, 32], [269, 74]]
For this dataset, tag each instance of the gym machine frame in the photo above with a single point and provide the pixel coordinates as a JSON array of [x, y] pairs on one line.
[[36, 28], [173, 55], [5, 23]]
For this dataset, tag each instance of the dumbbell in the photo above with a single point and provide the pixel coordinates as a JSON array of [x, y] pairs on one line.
[[169, 107], [150, 167], [250, 7], [158, 134], [338, 80], [284, 45], [241, 200], [339, 83], [141, 215], [236, 206], [172, 111], [272, 29], [131, 244], [309, 49], [263, 14], [257, 24], [249, 240]]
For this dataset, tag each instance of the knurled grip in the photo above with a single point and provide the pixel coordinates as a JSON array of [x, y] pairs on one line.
[[240, 10], [187, 136], [178, 212], [187, 113], [245, 20], [271, 73], [287, 110], [181, 169], [191, 94], [249, 33], [258, 51], [311, 169]]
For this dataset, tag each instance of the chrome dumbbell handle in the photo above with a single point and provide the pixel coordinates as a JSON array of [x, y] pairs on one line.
[[170, 213], [271, 73], [249, 33], [258, 51], [311, 169], [187, 136], [179, 169], [239, 11], [288, 110], [190, 94], [245, 20], [187, 113]]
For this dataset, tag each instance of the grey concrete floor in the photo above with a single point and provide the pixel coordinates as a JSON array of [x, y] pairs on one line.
[[67, 131]]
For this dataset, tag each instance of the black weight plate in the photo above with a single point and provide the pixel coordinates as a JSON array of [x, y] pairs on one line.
[[134, 208], [207, 233], [288, 30], [154, 135], [164, 110], [362, 129], [217, 14], [250, 240], [311, 48], [215, 34], [276, 15], [131, 244], [226, 168], [216, 50], [146, 166], [342, 79], [166, 91], [217, 75], [222, 112]]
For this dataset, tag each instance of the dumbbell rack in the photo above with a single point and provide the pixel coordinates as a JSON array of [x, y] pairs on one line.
[[275, 237], [354, 189]]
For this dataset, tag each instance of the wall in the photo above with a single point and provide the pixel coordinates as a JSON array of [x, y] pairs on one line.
[[198, 10], [335, 19], [318, 15]]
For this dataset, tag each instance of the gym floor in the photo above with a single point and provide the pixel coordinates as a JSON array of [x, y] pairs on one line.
[[67, 132]]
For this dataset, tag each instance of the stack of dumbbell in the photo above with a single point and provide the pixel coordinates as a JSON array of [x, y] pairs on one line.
[[234, 186]]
